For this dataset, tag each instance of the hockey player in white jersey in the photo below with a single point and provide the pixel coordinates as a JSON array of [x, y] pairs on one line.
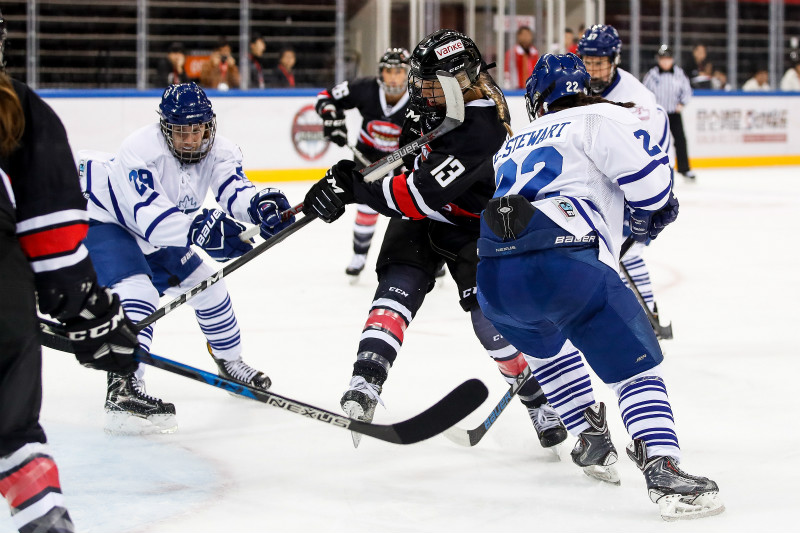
[[145, 209], [548, 280], [600, 48]]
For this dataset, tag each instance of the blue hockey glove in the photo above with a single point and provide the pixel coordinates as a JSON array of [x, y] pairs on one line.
[[640, 224], [328, 196], [334, 127], [265, 210], [218, 235], [664, 216]]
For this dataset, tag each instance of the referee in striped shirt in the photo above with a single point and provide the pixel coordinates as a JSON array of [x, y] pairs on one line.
[[671, 87]]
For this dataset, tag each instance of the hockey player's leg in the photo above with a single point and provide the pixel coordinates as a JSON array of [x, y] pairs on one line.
[[511, 363], [30, 483], [363, 231], [129, 409], [217, 321], [400, 293]]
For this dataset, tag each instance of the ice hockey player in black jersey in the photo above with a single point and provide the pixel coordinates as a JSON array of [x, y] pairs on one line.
[[42, 225], [382, 102], [435, 213]]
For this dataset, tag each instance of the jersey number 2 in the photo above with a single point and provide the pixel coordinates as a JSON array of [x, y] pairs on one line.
[[539, 169]]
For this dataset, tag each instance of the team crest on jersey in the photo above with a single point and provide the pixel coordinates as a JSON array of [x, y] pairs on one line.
[[385, 136], [187, 204], [566, 208]]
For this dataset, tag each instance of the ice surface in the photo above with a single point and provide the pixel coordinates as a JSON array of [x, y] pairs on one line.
[[727, 274]]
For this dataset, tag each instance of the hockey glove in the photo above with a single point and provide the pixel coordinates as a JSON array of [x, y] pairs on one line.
[[265, 210], [640, 224], [333, 125], [218, 235], [664, 216], [102, 336], [328, 196]]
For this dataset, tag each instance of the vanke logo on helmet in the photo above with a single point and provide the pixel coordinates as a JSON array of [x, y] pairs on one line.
[[449, 49]]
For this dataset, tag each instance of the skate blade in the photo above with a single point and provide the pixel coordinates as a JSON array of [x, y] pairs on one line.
[[607, 474], [555, 451], [674, 508], [121, 423], [355, 411]]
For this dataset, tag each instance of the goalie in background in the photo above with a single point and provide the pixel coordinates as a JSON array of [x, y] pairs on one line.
[[145, 209], [382, 102], [42, 225]]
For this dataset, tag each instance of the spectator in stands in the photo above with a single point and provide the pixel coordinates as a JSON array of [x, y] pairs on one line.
[[702, 69], [256, 56], [525, 56], [220, 71], [719, 81], [170, 69], [791, 79], [759, 81], [672, 89], [570, 42], [283, 73]]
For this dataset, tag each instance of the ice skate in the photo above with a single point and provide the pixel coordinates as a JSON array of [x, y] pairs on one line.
[[594, 451], [356, 266], [131, 411], [549, 428], [679, 495], [360, 400], [240, 372]]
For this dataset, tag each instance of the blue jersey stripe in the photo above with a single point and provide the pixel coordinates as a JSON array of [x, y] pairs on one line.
[[145, 203], [589, 221], [235, 195], [651, 166], [652, 200], [158, 219], [224, 185]]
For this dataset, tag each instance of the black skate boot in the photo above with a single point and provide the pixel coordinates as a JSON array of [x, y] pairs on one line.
[[360, 400], [240, 372], [594, 451], [548, 425], [131, 411], [679, 495]]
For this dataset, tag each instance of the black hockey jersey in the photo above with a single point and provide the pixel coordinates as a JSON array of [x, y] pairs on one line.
[[453, 178], [41, 200], [381, 124]]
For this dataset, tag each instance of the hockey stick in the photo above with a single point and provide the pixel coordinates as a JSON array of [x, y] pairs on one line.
[[471, 437], [358, 155], [457, 404], [375, 171], [662, 332]]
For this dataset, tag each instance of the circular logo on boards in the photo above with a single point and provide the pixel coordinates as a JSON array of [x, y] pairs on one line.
[[307, 134]]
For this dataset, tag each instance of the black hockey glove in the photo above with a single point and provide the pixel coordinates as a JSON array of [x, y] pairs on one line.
[[218, 235], [333, 125], [265, 210], [102, 336], [410, 133], [328, 196]]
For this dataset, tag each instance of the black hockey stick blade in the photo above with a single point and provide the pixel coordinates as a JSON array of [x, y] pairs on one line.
[[460, 402], [453, 118], [662, 332], [471, 437]]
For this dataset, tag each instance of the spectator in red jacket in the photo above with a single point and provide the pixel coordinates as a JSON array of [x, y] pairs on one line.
[[525, 54]]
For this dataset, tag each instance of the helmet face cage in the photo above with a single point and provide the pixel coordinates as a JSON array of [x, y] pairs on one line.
[[188, 122], [554, 77], [601, 40], [190, 143], [393, 58], [445, 50]]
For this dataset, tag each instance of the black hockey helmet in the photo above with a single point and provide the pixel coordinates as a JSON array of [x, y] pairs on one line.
[[393, 58], [446, 50]]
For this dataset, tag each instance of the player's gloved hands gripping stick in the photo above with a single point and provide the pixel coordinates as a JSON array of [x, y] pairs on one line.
[[333, 125], [648, 224], [329, 195], [265, 210], [218, 235]]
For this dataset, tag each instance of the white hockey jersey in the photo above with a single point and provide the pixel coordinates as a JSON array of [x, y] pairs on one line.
[[626, 88], [579, 166], [148, 191]]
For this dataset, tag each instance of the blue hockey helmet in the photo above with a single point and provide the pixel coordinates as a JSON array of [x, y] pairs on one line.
[[554, 77], [188, 121], [601, 40]]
